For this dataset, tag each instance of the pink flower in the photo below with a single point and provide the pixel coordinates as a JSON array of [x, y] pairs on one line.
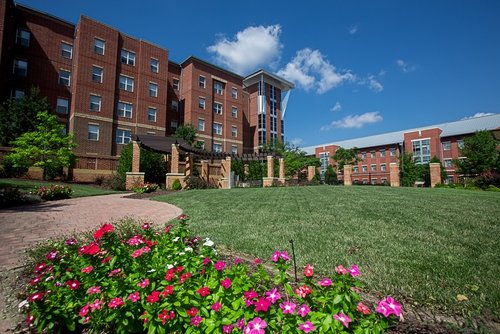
[[106, 228], [363, 308], [250, 294], [135, 240], [40, 267], [114, 272], [354, 270], [226, 283], [303, 310], [284, 256], [308, 270], [206, 261], [134, 297], [30, 318], [146, 226], [36, 280], [84, 311], [96, 305], [70, 242], [262, 305], [196, 320], [389, 306], [227, 329], [325, 282], [73, 284], [256, 326], [164, 316], [36, 296], [288, 307], [219, 265], [306, 327], [240, 323], [273, 295], [341, 270], [153, 297], [90, 249], [216, 306], [192, 311], [51, 255], [94, 289], [144, 283], [276, 256], [303, 291], [115, 303], [204, 291], [344, 319], [237, 260], [87, 270], [257, 261]]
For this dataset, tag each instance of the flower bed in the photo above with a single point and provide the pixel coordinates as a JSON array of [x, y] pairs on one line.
[[53, 192], [144, 280], [145, 188]]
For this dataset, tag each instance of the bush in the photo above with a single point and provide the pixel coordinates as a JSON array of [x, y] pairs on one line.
[[195, 182], [137, 281], [152, 164], [176, 185], [9, 171], [53, 192], [145, 188], [330, 177]]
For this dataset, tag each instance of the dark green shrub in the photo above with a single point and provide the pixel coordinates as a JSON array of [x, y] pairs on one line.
[[330, 177], [176, 185], [195, 182], [8, 170], [152, 164]]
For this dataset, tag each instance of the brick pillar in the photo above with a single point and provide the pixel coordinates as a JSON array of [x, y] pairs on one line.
[[174, 164], [311, 171], [189, 164], [136, 156], [394, 174], [204, 171], [225, 182], [347, 175], [435, 173], [282, 168], [270, 166]]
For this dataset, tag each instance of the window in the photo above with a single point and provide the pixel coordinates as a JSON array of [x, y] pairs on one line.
[[201, 102], [200, 144], [382, 153], [175, 84], [373, 167], [218, 128], [175, 105], [17, 94], [383, 181], [62, 106], [217, 147], [374, 181], [154, 65], [153, 89], [23, 37], [126, 83], [262, 137], [234, 93], [174, 125], [93, 132], [460, 144], [21, 68], [64, 77], [262, 122], [365, 168], [365, 181], [152, 114], [95, 103], [392, 151], [447, 163], [202, 81], [218, 108], [355, 169], [446, 146], [127, 57], [363, 155], [97, 74], [124, 109], [234, 112], [324, 161], [383, 167], [421, 151], [201, 124], [66, 50], [234, 149], [234, 131], [372, 154], [99, 46], [218, 87], [123, 136]]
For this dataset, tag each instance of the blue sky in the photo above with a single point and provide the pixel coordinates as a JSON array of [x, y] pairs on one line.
[[360, 67]]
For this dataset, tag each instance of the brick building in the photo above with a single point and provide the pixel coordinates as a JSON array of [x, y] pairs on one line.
[[378, 152], [106, 86]]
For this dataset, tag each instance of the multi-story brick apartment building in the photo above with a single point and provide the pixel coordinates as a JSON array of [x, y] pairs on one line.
[[378, 152], [106, 86]]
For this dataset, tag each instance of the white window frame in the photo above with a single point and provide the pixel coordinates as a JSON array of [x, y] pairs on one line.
[[121, 136], [217, 147], [97, 77], [355, 169], [363, 155], [383, 167], [234, 112], [202, 146], [373, 167], [372, 154], [99, 49], [62, 80], [382, 153], [201, 122], [126, 82], [201, 102], [154, 67], [65, 53], [127, 57], [176, 84], [153, 89], [460, 144], [446, 145], [93, 103], [174, 125], [216, 108], [152, 111], [234, 93], [420, 158], [364, 168], [202, 81], [20, 38], [374, 180], [62, 105], [447, 163], [234, 131], [95, 128], [234, 149], [392, 152], [217, 127], [218, 88], [124, 109]]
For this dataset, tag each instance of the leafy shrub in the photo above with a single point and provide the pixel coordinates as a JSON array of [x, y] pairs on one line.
[[152, 164], [145, 188], [492, 188], [9, 171], [126, 281], [195, 182], [53, 192], [176, 185], [12, 196], [488, 178], [330, 177]]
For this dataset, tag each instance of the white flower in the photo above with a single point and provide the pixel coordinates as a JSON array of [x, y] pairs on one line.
[[23, 304], [176, 239], [181, 253], [208, 242], [188, 249], [151, 270]]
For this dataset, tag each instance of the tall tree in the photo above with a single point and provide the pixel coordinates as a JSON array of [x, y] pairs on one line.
[[18, 116], [294, 158], [481, 154], [46, 147], [187, 132], [345, 156], [409, 170]]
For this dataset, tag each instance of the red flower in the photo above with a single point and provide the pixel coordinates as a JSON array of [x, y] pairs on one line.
[[36, 296], [206, 261], [106, 259], [309, 271], [40, 267], [170, 275], [90, 249], [192, 311], [168, 227], [87, 270], [219, 265], [115, 303], [184, 277], [363, 308], [164, 316], [179, 269], [169, 289], [146, 226], [153, 297], [103, 230], [73, 284], [84, 311], [226, 283], [204, 291], [262, 305], [303, 291]]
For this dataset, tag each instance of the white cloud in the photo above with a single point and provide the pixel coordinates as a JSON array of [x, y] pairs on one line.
[[372, 83], [249, 49], [404, 66], [353, 28], [336, 107], [296, 141], [479, 114], [309, 69], [354, 121]]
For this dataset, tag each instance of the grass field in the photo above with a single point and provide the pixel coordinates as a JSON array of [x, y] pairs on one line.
[[79, 190], [425, 246]]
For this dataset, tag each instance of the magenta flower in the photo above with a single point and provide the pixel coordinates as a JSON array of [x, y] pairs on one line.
[[146, 226], [344, 319], [70, 242], [325, 282], [134, 297], [273, 295], [73, 284], [135, 240], [303, 310], [144, 283], [204, 291], [51, 255], [257, 261], [36, 296], [237, 260], [219, 265], [389, 306], [196, 320], [87, 270], [39, 267], [288, 307], [276, 256], [96, 305], [262, 305], [84, 311], [250, 294], [240, 323], [115, 303], [227, 329], [216, 306], [226, 283], [256, 326], [306, 327], [284, 256], [354, 271], [341, 270], [94, 289], [206, 261]]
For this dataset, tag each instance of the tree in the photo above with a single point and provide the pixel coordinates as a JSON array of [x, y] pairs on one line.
[[18, 116], [482, 155], [294, 158], [151, 163], [187, 132], [424, 171], [409, 170], [330, 177], [46, 147], [345, 156]]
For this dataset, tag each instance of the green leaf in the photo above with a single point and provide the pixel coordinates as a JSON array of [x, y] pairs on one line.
[[337, 299]]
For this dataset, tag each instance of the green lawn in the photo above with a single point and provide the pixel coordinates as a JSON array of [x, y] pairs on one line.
[[425, 246], [79, 190]]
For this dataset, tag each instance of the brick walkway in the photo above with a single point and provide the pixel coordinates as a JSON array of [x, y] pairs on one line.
[[23, 227]]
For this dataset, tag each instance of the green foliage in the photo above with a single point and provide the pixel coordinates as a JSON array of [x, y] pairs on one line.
[[424, 171], [8, 170], [482, 155], [196, 182], [145, 188], [256, 171], [187, 132], [238, 167], [46, 147], [176, 185], [12, 196], [330, 177], [53, 192], [18, 116], [409, 170], [345, 156], [152, 164], [294, 158]]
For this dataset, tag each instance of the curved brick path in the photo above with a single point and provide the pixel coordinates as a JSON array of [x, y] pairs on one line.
[[22, 227]]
